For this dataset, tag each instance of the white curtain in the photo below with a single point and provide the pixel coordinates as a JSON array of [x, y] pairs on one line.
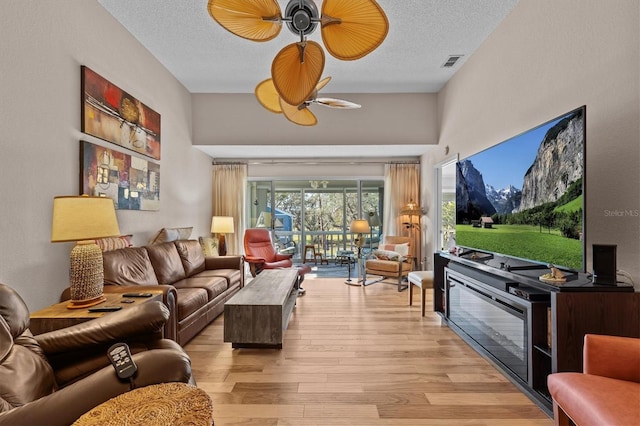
[[402, 185], [229, 187]]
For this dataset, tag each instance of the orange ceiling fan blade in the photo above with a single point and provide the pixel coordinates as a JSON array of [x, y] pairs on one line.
[[268, 96], [296, 70], [298, 114], [352, 29], [337, 103], [256, 20]]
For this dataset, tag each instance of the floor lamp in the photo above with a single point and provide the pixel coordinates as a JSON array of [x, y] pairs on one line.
[[360, 227], [412, 209]]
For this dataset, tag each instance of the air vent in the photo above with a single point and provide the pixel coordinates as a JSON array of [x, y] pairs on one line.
[[451, 61]]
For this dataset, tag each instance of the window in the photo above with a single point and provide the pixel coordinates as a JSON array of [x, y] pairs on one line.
[[315, 212], [446, 204]]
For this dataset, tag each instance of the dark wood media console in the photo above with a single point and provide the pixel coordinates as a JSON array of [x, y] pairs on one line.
[[528, 329]]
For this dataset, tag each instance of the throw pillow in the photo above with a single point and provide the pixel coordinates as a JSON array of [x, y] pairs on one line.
[[171, 234], [114, 243], [388, 255], [209, 246], [403, 249]]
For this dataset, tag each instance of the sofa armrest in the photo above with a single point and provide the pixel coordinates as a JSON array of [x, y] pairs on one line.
[[169, 297], [138, 321], [66, 405], [223, 262], [612, 356]]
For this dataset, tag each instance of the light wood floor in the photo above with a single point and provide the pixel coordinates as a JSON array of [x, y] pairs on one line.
[[355, 356]]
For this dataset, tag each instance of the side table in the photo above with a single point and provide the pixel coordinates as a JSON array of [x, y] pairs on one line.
[[162, 404], [58, 316], [344, 256]]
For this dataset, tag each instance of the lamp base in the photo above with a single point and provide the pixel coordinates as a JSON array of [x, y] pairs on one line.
[[222, 246], [86, 275], [81, 304]]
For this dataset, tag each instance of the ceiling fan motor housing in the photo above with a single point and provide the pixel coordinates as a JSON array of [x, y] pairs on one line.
[[302, 16]]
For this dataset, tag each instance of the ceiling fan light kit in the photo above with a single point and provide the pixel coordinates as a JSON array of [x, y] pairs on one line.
[[351, 29]]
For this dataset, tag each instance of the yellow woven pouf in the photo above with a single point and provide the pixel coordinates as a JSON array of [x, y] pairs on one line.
[[162, 404]]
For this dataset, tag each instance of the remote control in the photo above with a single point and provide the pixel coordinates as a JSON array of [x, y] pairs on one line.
[[127, 301], [120, 357], [105, 308], [137, 295]]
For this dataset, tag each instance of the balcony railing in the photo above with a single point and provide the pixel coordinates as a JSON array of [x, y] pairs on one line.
[[327, 243]]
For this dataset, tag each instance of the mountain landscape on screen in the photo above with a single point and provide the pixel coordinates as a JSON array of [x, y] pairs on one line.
[[539, 176]]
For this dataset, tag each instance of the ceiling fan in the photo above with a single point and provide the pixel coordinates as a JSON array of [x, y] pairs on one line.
[[300, 114], [350, 30]]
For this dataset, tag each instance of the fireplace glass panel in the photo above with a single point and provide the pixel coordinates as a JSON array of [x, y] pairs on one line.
[[494, 323]]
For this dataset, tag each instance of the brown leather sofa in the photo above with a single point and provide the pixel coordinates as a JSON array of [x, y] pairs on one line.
[[608, 390], [54, 378], [194, 287]]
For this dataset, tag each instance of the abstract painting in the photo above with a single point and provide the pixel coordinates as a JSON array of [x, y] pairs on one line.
[[133, 183], [112, 114]]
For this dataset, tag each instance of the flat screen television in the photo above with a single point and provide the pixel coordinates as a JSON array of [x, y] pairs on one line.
[[524, 198]]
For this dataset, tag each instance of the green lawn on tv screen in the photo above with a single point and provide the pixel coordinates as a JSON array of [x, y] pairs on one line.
[[524, 241]]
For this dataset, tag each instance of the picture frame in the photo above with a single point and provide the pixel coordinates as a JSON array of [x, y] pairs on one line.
[[111, 114], [133, 183]]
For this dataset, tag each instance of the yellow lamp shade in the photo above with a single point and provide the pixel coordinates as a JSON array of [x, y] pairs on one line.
[[222, 225], [78, 218], [359, 226]]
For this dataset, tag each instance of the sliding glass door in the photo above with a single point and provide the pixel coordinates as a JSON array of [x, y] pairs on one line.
[[314, 213]]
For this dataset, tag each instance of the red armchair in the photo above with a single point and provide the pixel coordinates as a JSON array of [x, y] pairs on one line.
[[260, 253], [608, 390]]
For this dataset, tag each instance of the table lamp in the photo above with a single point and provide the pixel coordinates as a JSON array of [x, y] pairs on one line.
[[83, 219], [222, 225]]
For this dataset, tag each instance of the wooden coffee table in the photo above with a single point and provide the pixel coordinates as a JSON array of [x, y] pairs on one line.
[[258, 314]]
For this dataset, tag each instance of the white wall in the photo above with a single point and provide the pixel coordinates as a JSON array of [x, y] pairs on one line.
[[42, 45], [549, 57]]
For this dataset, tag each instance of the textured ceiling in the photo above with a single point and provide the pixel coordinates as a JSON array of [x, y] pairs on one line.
[[206, 58]]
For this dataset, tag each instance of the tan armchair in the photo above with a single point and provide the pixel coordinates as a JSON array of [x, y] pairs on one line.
[[391, 268], [55, 377]]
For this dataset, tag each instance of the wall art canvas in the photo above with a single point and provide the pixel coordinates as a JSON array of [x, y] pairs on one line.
[[133, 183], [112, 114]]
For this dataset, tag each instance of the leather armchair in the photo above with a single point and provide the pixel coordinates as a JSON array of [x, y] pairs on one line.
[[260, 252], [607, 392], [54, 378]]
